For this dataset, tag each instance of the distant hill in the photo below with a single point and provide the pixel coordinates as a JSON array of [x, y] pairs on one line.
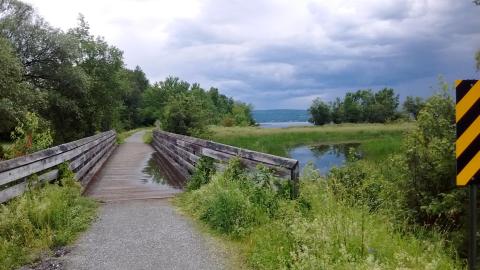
[[280, 115]]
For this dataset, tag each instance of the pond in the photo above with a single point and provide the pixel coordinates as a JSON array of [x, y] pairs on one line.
[[323, 157]]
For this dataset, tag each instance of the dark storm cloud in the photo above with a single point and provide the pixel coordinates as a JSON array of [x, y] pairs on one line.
[[281, 54]]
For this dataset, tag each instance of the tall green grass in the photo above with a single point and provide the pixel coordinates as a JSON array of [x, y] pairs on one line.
[[379, 138], [42, 218], [321, 229]]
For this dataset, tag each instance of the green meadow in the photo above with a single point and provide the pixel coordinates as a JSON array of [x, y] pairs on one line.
[[377, 140]]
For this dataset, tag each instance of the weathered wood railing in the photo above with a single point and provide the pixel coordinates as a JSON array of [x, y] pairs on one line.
[[85, 157], [183, 152]]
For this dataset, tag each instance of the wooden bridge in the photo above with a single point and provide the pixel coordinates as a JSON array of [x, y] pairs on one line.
[[136, 228], [120, 178]]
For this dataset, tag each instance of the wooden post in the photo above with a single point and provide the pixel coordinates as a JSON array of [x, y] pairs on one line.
[[295, 181]]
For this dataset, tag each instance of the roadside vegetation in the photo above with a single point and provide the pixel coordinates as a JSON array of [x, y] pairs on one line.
[[398, 211], [45, 217]]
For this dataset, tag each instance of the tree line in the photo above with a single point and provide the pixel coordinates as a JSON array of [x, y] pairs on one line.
[[364, 106], [78, 84]]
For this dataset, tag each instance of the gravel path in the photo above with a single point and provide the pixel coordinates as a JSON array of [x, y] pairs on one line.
[[142, 234]]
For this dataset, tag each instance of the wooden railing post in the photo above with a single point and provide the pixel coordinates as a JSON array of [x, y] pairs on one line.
[[295, 181]]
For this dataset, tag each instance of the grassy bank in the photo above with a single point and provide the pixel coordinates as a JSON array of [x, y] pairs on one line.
[[322, 229], [43, 218], [377, 140]]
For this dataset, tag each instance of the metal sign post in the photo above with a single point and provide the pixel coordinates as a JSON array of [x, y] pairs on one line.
[[472, 228], [467, 118]]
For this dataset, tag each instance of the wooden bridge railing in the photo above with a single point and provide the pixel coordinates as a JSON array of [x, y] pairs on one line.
[[183, 152], [85, 157]]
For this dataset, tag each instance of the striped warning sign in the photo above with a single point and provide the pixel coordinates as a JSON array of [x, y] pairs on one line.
[[468, 131]]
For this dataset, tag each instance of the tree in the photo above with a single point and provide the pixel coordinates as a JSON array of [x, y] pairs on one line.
[[320, 112], [338, 112], [15, 96], [352, 108], [413, 105], [386, 104]]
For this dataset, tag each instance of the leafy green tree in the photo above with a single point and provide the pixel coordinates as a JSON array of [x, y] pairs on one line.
[[385, 106], [15, 97], [242, 114], [185, 115], [413, 105], [338, 111], [320, 112], [352, 108]]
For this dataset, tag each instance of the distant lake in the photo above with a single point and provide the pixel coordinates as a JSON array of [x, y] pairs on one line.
[[280, 115], [284, 124], [281, 118]]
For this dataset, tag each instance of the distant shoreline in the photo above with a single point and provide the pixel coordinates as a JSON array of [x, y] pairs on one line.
[[284, 124]]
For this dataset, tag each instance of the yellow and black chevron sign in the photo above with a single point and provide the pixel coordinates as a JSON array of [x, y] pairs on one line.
[[468, 131]]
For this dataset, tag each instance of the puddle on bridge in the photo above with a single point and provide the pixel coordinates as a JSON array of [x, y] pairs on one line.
[[156, 174]]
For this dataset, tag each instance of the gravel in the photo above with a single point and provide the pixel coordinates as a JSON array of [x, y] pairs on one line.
[[143, 234]]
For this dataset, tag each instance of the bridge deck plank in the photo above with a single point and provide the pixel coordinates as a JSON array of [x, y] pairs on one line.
[[123, 177]]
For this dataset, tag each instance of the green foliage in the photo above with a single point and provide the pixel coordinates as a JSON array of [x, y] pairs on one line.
[[320, 113], [430, 166], [188, 109], [240, 115], [30, 136], [357, 107], [15, 97], [204, 171], [72, 79], [234, 201], [413, 105], [326, 228], [42, 218]]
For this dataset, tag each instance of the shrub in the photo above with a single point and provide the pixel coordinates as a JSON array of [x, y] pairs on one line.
[[44, 217], [204, 170], [30, 136]]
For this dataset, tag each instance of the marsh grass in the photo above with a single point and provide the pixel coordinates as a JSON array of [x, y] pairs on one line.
[[42, 218], [380, 139]]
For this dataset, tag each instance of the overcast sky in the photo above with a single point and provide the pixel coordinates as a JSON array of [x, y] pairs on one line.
[[284, 53]]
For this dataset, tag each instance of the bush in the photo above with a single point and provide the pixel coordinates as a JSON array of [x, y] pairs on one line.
[[30, 136], [204, 171], [44, 217]]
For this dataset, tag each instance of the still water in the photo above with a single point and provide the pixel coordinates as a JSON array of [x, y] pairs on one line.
[[156, 174], [323, 157], [284, 124]]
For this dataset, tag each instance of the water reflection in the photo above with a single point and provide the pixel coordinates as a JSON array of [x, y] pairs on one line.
[[157, 173], [324, 157]]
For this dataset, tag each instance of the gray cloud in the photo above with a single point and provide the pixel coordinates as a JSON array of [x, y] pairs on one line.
[[282, 53]]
